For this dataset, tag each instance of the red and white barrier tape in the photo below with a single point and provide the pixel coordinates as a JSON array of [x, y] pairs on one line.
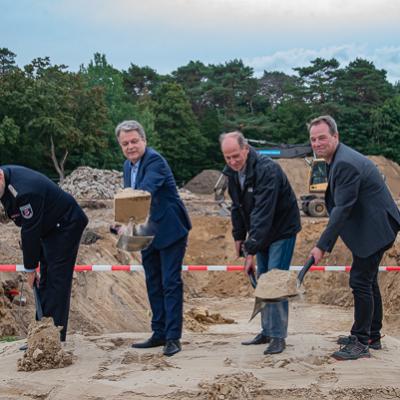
[[228, 268]]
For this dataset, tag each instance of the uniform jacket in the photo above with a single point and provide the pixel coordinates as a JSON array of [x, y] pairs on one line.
[[38, 206], [361, 209], [168, 219], [266, 209]]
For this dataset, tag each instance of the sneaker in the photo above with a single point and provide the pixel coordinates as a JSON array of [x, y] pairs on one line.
[[374, 344], [353, 350]]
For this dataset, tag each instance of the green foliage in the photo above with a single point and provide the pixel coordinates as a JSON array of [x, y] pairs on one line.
[[385, 138], [9, 131], [185, 112], [178, 130]]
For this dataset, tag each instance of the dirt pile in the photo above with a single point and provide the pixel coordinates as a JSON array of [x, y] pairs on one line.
[[7, 322], [276, 284], [204, 182], [241, 386], [92, 183], [198, 318], [44, 348]]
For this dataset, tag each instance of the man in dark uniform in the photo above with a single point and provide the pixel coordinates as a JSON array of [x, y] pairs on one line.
[[51, 224], [169, 222]]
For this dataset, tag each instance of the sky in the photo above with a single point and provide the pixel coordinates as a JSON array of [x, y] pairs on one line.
[[272, 35]]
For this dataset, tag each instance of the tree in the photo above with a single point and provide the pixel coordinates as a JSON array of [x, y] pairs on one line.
[[178, 130], [360, 88], [140, 81], [385, 138], [7, 61]]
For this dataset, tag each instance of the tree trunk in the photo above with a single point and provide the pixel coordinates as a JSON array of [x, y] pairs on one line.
[[58, 165]]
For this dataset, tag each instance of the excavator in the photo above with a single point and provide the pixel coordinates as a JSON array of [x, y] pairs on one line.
[[313, 203]]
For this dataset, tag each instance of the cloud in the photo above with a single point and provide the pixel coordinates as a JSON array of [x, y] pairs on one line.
[[387, 58], [225, 14]]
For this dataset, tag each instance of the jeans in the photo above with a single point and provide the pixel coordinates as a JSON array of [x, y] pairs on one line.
[[274, 317]]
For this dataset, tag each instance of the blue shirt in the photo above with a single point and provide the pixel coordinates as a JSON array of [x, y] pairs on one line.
[[134, 171]]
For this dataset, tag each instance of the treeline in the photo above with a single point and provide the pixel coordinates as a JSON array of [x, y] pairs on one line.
[[54, 120]]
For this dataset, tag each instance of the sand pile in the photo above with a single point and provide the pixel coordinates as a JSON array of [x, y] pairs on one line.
[[149, 361], [197, 319], [44, 348], [7, 322], [276, 284], [93, 183], [204, 182], [241, 386]]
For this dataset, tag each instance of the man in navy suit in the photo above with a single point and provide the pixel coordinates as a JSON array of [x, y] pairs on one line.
[[363, 213], [169, 222]]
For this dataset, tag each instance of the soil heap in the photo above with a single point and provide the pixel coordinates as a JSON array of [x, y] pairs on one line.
[[44, 348]]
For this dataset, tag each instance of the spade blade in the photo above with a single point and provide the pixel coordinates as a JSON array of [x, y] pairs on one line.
[[259, 304]]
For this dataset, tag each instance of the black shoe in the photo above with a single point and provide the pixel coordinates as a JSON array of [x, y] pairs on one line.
[[353, 350], [24, 347], [374, 344], [147, 344], [259, 339], [172, 347], [276, 346]]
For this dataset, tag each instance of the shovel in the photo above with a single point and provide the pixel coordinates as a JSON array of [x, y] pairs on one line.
[[260, 303], [133, 243], [38, 304]]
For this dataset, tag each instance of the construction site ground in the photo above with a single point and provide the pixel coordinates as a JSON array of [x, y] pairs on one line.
[[109, 311]]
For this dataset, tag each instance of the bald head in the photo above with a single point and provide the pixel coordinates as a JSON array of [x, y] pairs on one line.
[[235, 149]]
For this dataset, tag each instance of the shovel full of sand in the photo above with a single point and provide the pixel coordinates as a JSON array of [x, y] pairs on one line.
[[277, 285]]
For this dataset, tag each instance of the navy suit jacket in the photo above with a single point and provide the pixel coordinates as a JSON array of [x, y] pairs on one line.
[[168, 219], [361, 209]]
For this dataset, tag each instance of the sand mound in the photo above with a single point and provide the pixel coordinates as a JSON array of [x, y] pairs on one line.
[[44, 348], [7, 323], [204, 182], [197, 319], [241, 386], [276, 284]]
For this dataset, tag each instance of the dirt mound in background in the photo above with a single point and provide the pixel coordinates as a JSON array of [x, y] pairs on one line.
[[391, 172], [297, 172], [93, 183], [204, 182]]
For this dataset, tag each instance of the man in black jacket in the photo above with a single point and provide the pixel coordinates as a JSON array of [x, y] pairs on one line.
[[51, 224], [265, 220], [363, 213]]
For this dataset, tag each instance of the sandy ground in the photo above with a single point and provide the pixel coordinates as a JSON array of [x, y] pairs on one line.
[[110, 310], [106, 367]]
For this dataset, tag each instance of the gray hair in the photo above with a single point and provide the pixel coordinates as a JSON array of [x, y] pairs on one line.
[[242, 141], [324, 118], [128, 126]]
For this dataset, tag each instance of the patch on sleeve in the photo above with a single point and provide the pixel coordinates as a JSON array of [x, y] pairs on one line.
[[26, 211]]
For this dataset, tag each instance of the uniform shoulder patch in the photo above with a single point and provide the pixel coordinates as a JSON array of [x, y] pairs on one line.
[[26, 211], [12, 190]]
